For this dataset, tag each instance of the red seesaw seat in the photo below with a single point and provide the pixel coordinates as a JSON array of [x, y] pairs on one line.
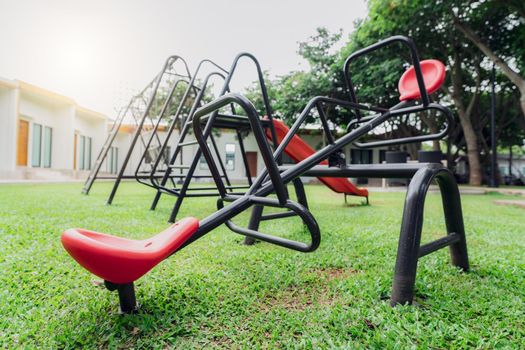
[[433, 75], [120, 260]]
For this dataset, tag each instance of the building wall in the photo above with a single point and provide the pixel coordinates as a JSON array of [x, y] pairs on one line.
[[89, 126], [8, 130], [22, 101], [121, 142], [66, 120], [229, 137], [518, 165], [57, 116]]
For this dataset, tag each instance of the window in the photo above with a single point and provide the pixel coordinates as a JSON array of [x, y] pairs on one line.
[[48, 136], [167, 152], [203, 165], [37, 145], [113, 160], [84, 152], [361, 156], [382, 155], [230, 156], [88, 153], [81, 148], [42, 145], [504, 170]]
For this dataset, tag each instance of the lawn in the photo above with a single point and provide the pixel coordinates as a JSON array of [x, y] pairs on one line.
[[219, 293]]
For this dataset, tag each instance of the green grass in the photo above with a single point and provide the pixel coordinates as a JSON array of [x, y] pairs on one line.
[[219, 293]]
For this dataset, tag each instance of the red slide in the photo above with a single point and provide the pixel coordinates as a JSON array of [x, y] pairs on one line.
[[298, 150]]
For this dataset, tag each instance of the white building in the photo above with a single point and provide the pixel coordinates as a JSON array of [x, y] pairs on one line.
[[44, 135]]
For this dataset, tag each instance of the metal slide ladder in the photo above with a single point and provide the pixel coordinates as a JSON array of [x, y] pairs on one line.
[[185, 172], [141, 113], [104, 150]]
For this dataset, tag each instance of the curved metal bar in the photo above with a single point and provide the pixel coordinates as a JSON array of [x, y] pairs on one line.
[[409, 248], [389, 41], [300, 210], [191, 87], [411, 139], [206, 60], [247, 106], [194, 107], [262, 85], [262, 188]]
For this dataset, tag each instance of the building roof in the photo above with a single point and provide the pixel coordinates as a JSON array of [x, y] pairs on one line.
[[49, 95], [130, 128], [41, 92]]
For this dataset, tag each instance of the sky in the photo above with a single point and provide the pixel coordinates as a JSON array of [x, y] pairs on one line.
[[101, 52]]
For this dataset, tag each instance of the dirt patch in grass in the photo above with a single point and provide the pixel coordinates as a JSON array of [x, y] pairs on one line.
[[314, 294], [334, 273], [516, 203], [222, 342], [299, 299]]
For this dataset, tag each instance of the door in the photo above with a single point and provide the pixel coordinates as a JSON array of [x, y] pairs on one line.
[[23, 137], [75, 152], [252, 163]]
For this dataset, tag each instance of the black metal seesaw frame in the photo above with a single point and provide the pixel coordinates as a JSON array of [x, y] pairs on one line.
[[337, 167], [409, 248], [272, 180]]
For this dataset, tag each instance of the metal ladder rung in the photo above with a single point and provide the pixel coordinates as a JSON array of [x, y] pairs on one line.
[[181, 176], [188, 143], [175, 74]]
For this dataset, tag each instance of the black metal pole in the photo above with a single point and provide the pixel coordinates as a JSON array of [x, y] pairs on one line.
[[494, 154], [510, 163]]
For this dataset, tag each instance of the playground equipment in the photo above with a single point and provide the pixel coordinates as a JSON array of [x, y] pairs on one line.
[[146, 111], [186, 172], [169, 168], [122, 261], [299, 150], [159, 167]]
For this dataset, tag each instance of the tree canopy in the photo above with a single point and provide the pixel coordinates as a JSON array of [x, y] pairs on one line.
[[470, 37]]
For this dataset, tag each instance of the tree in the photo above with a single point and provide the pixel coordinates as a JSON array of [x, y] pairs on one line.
[[428, 23], [440, 30], [495, 28], [290, 93]]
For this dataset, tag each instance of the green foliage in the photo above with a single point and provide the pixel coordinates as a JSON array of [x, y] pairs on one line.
[[218, 293], [431, 24], [290, 93]]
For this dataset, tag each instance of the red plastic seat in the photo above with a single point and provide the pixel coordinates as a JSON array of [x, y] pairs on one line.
[[120, 260], [433, 74]]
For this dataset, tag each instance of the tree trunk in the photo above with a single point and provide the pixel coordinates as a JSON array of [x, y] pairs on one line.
[[433, 128], [464, 113], [522, 101], [471, 140]]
